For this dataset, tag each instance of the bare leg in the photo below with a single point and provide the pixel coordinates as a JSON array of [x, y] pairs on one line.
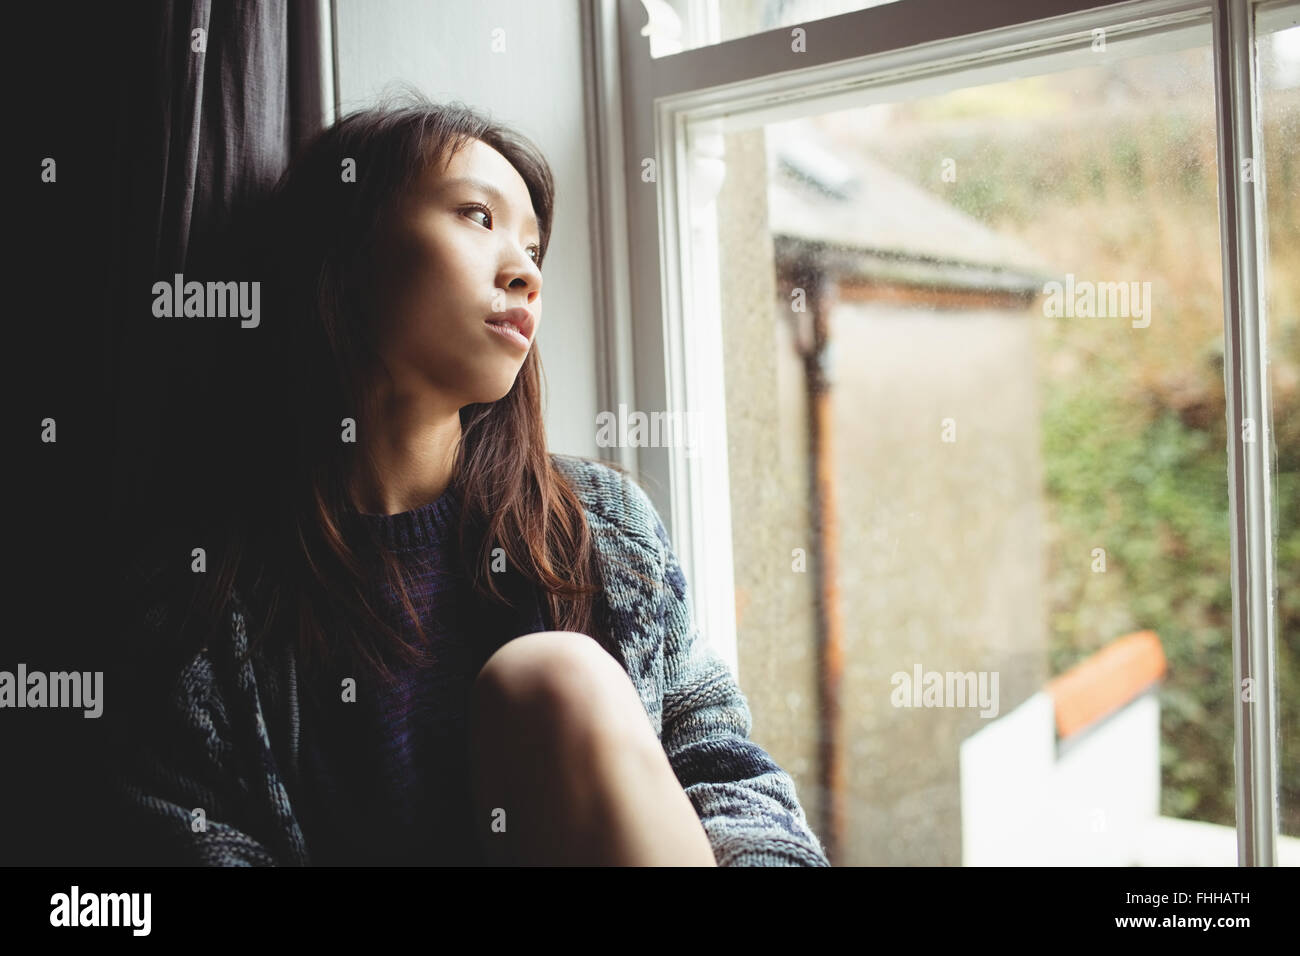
[[568, 767]]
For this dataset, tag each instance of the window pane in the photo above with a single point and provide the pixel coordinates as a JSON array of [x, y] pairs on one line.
[[1279, 80], [676, 25], [979, 336]]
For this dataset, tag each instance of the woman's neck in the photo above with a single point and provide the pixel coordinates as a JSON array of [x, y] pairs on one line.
[[406, 455]]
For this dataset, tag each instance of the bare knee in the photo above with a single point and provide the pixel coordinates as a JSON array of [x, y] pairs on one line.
[[562, 679]]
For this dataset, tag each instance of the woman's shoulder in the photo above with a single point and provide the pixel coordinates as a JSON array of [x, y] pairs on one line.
[[614, 499]]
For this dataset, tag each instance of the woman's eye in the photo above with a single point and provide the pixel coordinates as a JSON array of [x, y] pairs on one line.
[[534, 252]]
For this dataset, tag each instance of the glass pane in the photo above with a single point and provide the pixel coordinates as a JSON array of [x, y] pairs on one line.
[[677, 25], [1279, 101], [978, 338]]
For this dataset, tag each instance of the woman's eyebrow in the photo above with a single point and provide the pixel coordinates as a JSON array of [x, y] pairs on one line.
[[483, 186]]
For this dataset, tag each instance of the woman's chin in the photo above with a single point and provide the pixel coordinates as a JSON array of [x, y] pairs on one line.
[[499, 388]]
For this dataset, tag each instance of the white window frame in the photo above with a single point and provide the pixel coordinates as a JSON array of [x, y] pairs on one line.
[[655, 360]]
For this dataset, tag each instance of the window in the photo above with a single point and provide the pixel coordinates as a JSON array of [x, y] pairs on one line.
[[676, 25], [1278, 32], [948, 300]]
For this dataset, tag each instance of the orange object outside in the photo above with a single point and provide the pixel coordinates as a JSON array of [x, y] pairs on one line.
[[1101, 684]]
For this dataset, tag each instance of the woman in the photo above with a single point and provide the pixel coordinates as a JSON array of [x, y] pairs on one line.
[[428, 640]]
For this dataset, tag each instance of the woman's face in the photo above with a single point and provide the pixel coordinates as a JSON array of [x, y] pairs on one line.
[[459, 252]]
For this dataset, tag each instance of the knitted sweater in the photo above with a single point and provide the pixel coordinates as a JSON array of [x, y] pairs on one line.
[[225, 735], [385, 775]]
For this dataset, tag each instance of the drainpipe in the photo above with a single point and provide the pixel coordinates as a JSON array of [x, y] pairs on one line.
[[814, 341]]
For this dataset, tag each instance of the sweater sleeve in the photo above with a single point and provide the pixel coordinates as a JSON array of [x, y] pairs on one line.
[[174, 757], [745, 801], [177, 750]]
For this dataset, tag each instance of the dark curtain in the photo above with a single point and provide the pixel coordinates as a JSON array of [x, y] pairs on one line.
[[208, 136], [162, 154]]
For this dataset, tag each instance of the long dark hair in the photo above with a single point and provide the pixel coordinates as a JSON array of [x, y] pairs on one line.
[[286, 550]]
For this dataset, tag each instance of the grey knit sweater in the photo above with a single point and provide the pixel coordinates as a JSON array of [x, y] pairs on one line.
[[224, 738]]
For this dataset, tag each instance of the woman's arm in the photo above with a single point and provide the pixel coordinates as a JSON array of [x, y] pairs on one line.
[[190, 741], [746, 802], [173, 778]]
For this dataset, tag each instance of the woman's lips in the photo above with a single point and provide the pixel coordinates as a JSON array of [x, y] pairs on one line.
[[507, 331]]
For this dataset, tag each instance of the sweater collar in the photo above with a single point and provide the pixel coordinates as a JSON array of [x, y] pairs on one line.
[[422, 527]]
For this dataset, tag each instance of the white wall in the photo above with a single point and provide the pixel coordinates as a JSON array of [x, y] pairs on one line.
[[445, 49], [1027, 801]]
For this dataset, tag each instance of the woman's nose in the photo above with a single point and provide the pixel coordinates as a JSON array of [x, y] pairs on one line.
[[522, 273]]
